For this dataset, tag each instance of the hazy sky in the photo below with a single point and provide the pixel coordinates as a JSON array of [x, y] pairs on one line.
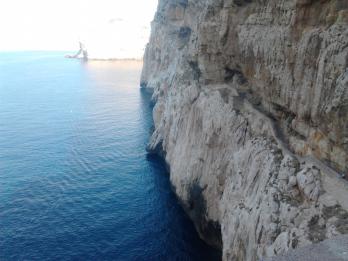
[[59, 24]]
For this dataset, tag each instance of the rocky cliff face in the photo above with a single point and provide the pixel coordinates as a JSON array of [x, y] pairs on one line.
[[251, 115]]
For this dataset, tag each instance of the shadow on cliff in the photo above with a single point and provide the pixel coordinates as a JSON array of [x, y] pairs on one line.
[[195, 208]]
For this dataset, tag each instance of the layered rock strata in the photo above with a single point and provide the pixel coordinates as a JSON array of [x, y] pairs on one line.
[[251, 115]]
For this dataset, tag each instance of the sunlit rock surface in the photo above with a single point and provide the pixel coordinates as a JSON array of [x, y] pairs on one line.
[[251, 115], [331, 249]]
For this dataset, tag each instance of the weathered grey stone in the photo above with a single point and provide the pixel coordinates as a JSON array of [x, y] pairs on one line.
[[335, 249], [252, 116]]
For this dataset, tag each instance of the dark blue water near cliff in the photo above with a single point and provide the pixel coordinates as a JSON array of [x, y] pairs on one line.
[[75, 181]]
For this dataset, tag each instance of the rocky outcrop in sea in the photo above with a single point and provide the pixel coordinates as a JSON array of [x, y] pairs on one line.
[[251, 115]]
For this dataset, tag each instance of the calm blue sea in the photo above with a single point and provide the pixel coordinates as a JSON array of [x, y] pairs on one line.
[[75, 180]]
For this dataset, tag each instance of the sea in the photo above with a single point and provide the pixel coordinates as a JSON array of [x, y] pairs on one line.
[[75, 180]]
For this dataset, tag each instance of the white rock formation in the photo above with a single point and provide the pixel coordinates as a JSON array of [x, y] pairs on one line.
[[251, 115]]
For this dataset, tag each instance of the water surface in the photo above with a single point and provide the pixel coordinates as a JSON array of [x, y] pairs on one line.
[[75, 181]]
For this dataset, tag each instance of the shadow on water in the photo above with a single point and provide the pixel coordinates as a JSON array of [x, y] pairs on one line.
[[195, 248]]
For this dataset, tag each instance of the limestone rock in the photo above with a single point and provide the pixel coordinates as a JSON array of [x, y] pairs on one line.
[[251, 115]]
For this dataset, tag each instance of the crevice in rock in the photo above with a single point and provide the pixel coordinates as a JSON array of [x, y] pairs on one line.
[[195, 68], [230, 73], [196, 208]]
